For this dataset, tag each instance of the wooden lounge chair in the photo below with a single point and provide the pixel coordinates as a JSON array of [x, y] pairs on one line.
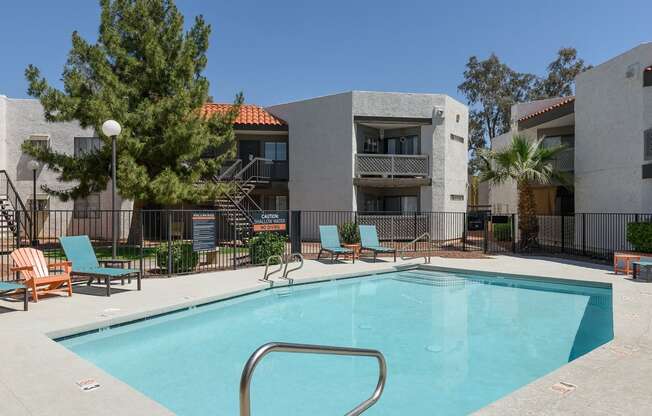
[[11, 288], [36, 272], [79, 250], [330, 242], [369, 241]]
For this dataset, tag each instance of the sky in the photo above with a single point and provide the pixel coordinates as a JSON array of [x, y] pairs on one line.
[[281, 51]]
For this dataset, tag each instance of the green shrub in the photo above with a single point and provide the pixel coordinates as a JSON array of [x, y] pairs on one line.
[[639, 235], [263, 245], [502, 232], [184, 259], [349, 233]]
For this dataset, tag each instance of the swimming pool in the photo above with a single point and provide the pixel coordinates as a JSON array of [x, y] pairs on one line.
[[454, 342]]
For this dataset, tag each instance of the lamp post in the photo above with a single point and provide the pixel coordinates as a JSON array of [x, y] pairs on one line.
[[34, 165], [112, 129]]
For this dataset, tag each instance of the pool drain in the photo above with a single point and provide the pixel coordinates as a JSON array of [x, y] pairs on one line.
[[434, 348]]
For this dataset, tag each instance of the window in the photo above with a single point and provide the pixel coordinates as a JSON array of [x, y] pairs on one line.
[[85, 145], [457, 197], [39, 140], [276, 150], [275, 202], [457, 138], [88, 207], [41, 202], [647, 77], [647, 138]]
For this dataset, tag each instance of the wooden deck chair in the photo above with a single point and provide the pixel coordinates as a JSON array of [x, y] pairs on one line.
[[36, 272]]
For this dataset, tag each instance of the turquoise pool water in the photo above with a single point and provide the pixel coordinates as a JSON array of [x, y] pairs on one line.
[[453, 344]]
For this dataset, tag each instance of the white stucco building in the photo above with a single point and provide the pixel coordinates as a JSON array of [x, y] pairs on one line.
[[607, 127], [22, 120]]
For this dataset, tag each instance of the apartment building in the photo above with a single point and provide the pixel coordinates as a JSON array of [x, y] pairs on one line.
[[607, 128]]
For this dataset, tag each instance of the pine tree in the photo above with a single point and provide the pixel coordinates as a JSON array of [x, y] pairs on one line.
[[144, 71]]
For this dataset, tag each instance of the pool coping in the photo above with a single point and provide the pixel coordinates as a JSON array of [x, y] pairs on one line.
[[533, 398]]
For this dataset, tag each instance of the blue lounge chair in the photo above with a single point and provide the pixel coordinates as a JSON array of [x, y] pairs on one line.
[[10, 288], [643, 263], [369, 241], [80, 252], [330, 242]]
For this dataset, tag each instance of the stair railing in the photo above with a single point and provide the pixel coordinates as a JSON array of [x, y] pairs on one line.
[[25, 218]]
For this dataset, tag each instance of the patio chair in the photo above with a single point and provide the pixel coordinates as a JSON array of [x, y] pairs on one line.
[[329, 239], [80, 252], [11, 288], [369, 241], [37, 273], [643, 263]]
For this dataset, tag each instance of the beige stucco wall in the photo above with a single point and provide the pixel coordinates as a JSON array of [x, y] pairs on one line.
[[612, 111], [20, 118]]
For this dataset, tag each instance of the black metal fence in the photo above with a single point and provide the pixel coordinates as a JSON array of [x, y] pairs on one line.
[[165, 242]]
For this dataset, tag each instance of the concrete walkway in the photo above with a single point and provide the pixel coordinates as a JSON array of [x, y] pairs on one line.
[[38, 376]]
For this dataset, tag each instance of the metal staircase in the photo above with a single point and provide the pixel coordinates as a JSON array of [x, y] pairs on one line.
[[237, 203], [15, 221]]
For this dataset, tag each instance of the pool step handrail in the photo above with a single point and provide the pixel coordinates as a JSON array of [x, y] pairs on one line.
[[289, 260], [262, 351], [426, 255], [268, 273]]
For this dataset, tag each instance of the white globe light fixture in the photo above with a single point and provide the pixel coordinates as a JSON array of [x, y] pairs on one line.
[[34, 165], [112, 129]]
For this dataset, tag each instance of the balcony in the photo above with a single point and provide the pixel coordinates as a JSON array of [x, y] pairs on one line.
[[383, 170], [565, 160]]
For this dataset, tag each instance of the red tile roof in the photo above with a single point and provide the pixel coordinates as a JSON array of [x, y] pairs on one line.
[[558, 103], [250, 114]]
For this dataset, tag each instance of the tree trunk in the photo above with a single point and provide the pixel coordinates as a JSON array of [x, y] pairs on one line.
[[135, 226], [528, 225]]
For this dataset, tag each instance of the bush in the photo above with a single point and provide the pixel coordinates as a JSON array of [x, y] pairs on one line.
[[184, 259], [502, 232], [349, 233], [639, 235], [263, 245]]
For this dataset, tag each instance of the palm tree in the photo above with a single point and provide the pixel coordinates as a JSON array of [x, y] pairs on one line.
[[527, 163]]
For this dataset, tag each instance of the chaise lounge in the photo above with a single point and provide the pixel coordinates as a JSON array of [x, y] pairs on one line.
[[369, 241], [330, 243], [80, 252]]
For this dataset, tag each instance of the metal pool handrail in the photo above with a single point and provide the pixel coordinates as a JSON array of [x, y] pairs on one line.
[[426, 255], [292, 256], [267, 275], [261, 352]]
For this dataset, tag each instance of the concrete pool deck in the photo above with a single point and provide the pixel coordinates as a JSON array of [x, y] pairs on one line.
[[39, 376]]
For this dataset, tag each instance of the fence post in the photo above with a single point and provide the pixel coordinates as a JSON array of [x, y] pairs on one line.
[[485, 235], [142, 241], [295, 231], [17, 222], [235, 239], [464, 233], [513, 233], [415, 229], [563, 234], [169, 265], [583, 234]]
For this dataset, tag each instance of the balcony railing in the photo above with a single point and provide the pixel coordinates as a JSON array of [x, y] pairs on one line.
[[565, 160], [390, 166]]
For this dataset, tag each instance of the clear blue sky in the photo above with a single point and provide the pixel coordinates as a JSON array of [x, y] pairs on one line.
[[279, 51]]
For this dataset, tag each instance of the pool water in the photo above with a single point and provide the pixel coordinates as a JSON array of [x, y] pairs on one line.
[[453, 344]]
